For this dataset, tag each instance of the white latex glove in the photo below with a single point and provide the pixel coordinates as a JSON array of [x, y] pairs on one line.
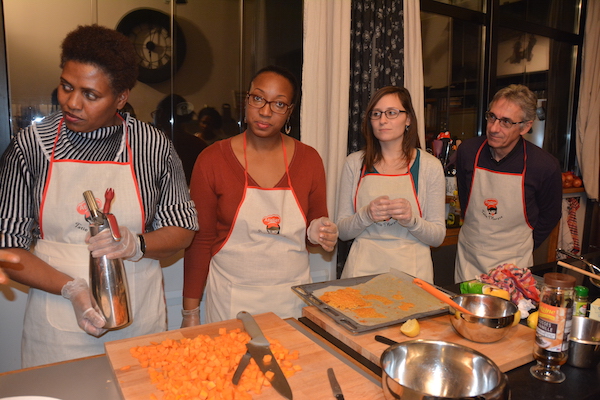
[[401, 211], [324, 232], [103, 244], [190, 317], [378, 209], [86, 310]]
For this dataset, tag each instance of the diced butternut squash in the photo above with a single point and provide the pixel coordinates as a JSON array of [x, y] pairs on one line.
[[202, 367]]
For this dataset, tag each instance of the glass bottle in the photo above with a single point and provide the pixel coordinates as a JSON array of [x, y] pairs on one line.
[[551, 346], [581, 301]]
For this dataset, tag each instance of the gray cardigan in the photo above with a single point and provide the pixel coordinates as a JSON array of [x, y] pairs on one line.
[[430, 229]]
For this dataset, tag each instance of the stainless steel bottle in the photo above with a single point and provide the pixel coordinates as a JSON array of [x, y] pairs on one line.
[[108, 280]]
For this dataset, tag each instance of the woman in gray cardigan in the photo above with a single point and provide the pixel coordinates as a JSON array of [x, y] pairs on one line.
[[392, 194]]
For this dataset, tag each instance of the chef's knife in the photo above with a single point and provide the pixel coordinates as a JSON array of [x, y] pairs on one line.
[[258, 347], [244, 361], [335, 386]]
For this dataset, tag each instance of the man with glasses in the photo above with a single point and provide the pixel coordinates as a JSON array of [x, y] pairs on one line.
[[510, 189]]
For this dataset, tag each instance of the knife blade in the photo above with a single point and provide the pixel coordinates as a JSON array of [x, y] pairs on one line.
[[335, 386], [244, 361], [258, 347]]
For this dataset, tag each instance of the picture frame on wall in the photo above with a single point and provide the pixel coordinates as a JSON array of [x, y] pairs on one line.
[[523, 53]]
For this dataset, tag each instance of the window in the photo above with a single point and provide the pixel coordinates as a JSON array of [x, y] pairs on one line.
[[473, 48], [226, 40]]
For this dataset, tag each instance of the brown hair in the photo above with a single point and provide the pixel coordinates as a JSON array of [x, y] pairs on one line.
[[410, 140], [105, 48]]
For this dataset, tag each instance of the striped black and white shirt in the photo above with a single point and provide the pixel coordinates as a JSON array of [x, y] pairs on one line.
[[24, 168]]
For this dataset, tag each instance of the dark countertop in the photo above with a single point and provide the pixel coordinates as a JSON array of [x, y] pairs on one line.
[[580, 384]]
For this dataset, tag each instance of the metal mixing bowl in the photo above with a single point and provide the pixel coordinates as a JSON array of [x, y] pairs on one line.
[[437, 370], [584, 342], [492, 320]]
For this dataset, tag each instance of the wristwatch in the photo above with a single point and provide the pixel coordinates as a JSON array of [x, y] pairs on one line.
[[142, 245]]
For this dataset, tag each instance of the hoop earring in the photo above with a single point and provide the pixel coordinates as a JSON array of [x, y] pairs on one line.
[[287, 127]]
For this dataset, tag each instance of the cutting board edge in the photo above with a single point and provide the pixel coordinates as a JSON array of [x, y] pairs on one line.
[[344, 339]]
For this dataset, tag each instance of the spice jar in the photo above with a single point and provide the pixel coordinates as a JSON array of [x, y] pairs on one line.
[[581, 304], [551, 346]]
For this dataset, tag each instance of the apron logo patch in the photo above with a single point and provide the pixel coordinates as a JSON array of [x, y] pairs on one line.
[[388, 222], [272, 223], [491, 210]]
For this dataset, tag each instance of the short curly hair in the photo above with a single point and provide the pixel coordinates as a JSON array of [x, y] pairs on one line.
[[105, 48]]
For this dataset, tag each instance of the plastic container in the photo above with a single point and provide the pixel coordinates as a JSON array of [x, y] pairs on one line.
[[551, 347], [581, 305]]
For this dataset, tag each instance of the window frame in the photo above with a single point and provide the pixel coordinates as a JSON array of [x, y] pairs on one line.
[[491, 21]]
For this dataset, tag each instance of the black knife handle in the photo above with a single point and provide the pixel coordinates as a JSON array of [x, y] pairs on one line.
[[383, 339]]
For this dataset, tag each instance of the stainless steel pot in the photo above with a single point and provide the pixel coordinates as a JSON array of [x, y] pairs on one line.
[[438, 370], [584, 343]]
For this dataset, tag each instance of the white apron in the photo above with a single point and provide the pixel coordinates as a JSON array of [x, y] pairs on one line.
[[387, 244], [262, 258], [496, 229], [50, 331]]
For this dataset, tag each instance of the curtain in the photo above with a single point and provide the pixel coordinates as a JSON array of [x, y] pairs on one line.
[[376, 56], [324, 108], [588, 118], [376, 60], [413, 64]]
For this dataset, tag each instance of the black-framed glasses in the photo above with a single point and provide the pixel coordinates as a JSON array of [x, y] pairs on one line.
[[390, 113], [277, 106], [505, 123]]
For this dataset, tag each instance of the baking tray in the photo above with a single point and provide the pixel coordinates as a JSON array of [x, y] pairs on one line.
[[425, 305]]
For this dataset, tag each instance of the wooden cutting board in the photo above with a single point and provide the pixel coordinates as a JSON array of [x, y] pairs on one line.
[[512, 351], [310, 383]]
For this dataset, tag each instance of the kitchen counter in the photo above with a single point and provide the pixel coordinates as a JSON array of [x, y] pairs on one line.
[[92, 378], [580, 384], [89, 378]]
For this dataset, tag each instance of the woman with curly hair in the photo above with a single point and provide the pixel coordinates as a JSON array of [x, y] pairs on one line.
[[392, 194], [90, 145]]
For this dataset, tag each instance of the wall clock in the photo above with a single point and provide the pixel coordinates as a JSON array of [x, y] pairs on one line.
[[150, 32]]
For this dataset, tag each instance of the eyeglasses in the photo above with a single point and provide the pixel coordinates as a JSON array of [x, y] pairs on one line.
[[390, 113], [277, 106], [504, 122]]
